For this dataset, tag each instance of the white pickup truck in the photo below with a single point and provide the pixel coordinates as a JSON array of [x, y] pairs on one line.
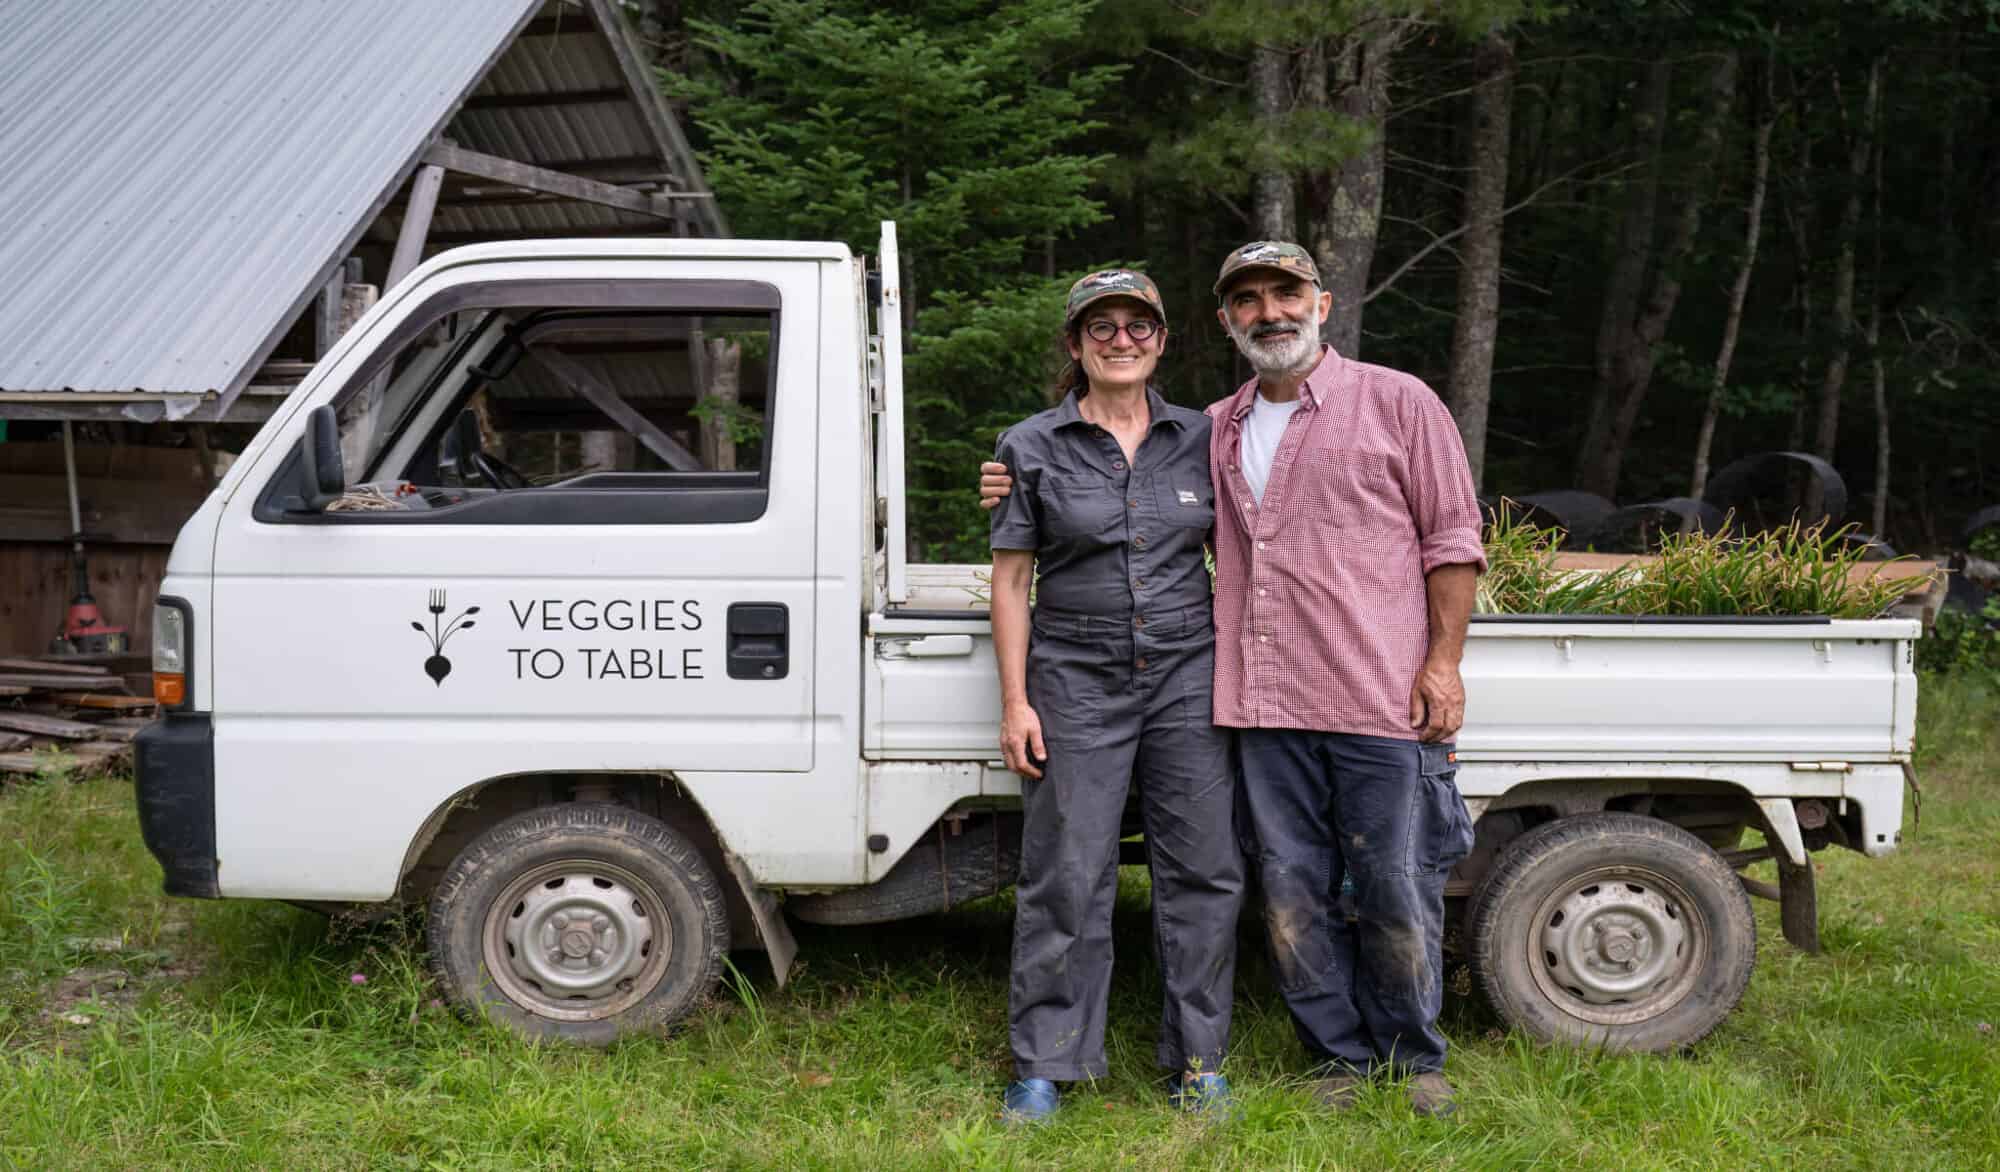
[[568, 597]]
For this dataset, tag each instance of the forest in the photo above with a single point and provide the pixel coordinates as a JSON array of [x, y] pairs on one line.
[[1630, 243]]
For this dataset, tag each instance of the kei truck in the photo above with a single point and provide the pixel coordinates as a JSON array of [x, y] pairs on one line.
[[567, 597]]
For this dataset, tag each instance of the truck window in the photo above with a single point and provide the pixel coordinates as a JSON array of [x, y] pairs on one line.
[[562, 403], [569, 399]]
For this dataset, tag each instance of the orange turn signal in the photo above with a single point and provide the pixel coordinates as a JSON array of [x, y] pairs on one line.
[[169, 689]]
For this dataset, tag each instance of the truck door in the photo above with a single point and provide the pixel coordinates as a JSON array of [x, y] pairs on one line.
[[580, 536]]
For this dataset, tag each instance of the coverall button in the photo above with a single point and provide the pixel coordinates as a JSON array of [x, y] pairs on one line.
[[1118, 465], [1140, 621], [1139, 540], [1140, 663], [1132, 502]]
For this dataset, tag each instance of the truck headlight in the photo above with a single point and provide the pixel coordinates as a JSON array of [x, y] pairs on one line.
[[171, 621]]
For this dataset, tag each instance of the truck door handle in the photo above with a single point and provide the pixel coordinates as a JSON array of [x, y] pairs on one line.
[[925, 647], [759, 641]]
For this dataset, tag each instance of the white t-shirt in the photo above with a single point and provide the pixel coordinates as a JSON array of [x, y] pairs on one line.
[[1261, 433]]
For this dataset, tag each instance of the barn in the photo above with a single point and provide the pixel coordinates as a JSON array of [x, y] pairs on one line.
[[200, 196]]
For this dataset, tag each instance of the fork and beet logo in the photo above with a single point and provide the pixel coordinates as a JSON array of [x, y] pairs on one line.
[[437, 666]]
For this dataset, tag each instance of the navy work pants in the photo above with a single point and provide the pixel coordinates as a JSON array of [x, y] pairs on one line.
[[1120, 703], [1382, 818]]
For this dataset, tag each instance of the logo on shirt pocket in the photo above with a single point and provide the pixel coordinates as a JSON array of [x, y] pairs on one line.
[[1189, 507]]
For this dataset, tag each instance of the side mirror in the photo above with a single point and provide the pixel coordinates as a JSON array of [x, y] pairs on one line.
[[326, 476]]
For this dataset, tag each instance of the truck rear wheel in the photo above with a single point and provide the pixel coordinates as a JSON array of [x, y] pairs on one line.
[[580, 923], [1613, 930]]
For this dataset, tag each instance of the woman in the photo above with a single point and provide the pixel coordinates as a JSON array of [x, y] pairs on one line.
[[1105, 683]]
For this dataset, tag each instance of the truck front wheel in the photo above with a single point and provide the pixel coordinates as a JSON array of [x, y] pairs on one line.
[[1613, 930], [579, 923]]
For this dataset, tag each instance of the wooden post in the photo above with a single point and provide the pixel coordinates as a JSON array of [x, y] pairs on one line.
[[326, 312], [580, 380], [416, 223]]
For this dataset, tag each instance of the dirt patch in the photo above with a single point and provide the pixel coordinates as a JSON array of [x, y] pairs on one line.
[[110, 977]]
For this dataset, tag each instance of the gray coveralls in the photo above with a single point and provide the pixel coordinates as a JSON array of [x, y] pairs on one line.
[[1121, 662]]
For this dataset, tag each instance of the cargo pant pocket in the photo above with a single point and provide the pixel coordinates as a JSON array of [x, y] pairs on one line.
[[1441, 827]]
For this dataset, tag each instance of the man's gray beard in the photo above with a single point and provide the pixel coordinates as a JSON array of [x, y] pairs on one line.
[[1298, 356]]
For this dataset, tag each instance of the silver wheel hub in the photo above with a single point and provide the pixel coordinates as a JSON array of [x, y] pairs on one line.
[[577, 941], [1615, 941]]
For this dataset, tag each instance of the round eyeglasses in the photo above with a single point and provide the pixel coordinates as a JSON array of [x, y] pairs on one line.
[[1140, 330]]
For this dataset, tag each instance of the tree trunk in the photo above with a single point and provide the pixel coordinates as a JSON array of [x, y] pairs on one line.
[[1270, 84], [1487, 136], [1798, 210], [1347, 214], [1860, 149], [1760, 173], [1879, 516], [724, 392], [1635, 368], [1628, 268]]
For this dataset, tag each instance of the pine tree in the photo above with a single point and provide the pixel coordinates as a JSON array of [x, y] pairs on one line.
[[958, 119]]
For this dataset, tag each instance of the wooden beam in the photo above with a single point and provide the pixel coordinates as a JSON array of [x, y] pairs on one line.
[[47, 726], [580, 380], [482, 194], [416, 224], [82, 670], [31, 680], [547, 98], [599, 230], [660, 121], [326, 312], [104, 701], [531, 178], [568, 23]]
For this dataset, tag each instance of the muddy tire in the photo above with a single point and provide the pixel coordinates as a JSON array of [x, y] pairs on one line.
[[1612, 930], [578, 923]]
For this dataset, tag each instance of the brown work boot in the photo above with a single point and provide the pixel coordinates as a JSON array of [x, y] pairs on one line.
[[1431, 1096], [1339, 1091]]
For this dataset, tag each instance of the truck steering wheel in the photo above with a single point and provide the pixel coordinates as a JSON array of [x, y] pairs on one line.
[[497, 472]]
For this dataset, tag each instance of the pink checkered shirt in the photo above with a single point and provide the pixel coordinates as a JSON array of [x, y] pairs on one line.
[[1320, 611]]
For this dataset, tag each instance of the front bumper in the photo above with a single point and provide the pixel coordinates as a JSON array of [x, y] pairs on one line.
[[175, 773]]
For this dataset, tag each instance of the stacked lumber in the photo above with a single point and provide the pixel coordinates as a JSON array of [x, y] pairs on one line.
[[59, 716]]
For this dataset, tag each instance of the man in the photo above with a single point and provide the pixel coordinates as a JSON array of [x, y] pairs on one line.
[[1347, 548]]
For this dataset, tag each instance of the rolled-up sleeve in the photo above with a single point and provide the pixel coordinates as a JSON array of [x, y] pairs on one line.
[[1015, 522], [1442, 502]]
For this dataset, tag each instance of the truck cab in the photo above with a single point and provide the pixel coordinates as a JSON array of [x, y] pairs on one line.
[[567, 598]]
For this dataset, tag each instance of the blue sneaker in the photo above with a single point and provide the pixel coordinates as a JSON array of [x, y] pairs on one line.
[[1204, 1094], [1029, 1100]]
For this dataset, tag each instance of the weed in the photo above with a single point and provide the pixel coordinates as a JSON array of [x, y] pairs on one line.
[[1797, 570]]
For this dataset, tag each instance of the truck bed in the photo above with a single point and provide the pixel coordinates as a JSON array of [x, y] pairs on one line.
[[1538, 688]]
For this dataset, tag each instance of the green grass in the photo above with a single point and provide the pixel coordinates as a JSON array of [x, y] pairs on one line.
[[238, 1037]]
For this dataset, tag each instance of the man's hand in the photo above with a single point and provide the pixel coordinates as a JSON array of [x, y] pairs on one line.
[[994, 483], [1437, 702], [1021, 740]]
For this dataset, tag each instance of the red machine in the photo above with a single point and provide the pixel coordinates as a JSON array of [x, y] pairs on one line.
[[84, 631]]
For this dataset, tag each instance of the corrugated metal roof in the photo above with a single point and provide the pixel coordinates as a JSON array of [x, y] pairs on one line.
[[176, 177]]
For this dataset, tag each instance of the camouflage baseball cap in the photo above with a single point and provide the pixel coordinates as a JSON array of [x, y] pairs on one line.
[[1112, 283], [1268, 254]]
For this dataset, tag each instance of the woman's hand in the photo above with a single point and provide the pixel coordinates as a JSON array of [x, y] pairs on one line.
[[1021, 740]]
